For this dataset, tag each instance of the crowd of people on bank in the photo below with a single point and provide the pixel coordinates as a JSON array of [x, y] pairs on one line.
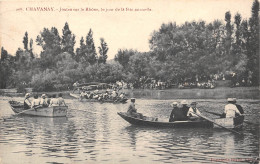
[[182, 112], [113, 95], [44, 101]]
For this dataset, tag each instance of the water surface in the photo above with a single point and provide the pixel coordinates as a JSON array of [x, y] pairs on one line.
[[94, 133]]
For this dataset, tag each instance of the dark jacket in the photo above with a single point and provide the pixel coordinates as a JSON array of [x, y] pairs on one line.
[[239, 107], [179, 114]]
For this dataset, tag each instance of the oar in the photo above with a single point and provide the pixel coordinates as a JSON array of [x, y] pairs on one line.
[[216, 123], [18, 113], [217, 114]]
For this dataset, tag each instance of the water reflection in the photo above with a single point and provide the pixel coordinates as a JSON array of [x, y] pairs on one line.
[[94, 133]]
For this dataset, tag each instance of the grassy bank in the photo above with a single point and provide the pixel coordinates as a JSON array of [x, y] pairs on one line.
[[217, 93]]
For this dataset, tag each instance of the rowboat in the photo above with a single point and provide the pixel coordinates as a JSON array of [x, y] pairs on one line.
[[54, 111], [230, 123], [77, 96]]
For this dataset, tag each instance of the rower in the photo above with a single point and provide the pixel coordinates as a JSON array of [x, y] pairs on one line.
[[54, 101], [27, 102], [231, 109], [61, 101], [193, 109], [43, 101], [35, 102]]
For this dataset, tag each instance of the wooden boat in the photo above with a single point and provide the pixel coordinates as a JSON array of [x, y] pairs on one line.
[[77, 96], [148, 121], [54, 111]]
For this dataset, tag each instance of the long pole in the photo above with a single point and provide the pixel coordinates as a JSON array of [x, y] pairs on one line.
[[216, 123], [217, 114]]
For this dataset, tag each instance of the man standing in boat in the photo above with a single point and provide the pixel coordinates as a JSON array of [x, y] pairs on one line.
[[231, 109], [193, 109], [133, 111], [27, 102], [239, 107]]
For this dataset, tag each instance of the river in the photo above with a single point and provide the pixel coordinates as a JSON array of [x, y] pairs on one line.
[[94, 133]]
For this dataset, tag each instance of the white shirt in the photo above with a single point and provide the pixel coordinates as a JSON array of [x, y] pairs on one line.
[[231, 110], [191, 111], [54, 102], [35, 102]]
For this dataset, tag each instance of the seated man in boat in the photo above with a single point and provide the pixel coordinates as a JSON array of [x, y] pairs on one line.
[[132, 111], [231, 109], [193, 109], [174, 113], [54, 101], [27, 103], [61, 101], [35, 102], [43, 101], [184, 110]]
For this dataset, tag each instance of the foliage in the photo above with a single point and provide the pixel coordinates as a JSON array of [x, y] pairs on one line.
[[178, 53]]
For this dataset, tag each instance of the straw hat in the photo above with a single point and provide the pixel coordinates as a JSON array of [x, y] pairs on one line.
[[27, 95], [174, 104], [184, 102], [230, 100]]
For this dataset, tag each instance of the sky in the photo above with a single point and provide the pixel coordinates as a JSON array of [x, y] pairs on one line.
[[121, 29]]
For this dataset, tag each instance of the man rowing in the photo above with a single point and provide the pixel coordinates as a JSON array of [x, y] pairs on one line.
[[27, 102], [231, 109]]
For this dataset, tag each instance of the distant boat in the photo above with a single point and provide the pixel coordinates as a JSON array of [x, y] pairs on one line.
[[54, 111], [230, 123], [77, 96]]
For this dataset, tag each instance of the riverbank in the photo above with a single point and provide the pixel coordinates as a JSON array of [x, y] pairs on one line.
[[196, 93]]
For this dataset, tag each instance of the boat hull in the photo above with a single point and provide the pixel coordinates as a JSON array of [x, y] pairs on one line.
[[54, 111], [225, 122], [230, 123], [176, 124], [95, 100]]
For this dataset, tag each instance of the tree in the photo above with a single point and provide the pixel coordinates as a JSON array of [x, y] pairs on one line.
[[123, 56], [50, 42], [68, 40], [237, 22], [6, 69], [253, 53], [25, 41], [102, 51], [91, 54], [228, 38]]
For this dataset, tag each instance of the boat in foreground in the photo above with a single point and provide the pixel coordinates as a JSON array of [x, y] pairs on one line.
[[54, 111], [77, 96], [231, 123]]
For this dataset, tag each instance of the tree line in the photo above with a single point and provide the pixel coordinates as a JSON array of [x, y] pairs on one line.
[[177, 53]]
